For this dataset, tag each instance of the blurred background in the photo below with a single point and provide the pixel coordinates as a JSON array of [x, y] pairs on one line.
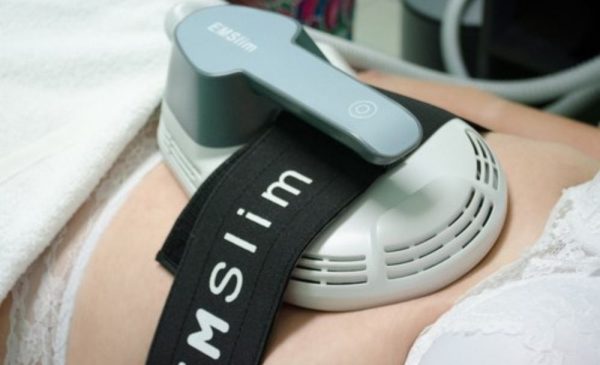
[[487, 39]]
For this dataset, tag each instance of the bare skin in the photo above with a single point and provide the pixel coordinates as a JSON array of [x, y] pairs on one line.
[[123, 291], [496, 114]]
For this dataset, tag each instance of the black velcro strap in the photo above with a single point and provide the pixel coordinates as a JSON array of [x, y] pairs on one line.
[[240, 237], [431, 119]]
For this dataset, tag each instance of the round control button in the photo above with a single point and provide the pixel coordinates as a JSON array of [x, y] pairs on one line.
[[362, 109]]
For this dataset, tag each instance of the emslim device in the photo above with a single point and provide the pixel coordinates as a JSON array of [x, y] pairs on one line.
[[233, 70], [426, 222]]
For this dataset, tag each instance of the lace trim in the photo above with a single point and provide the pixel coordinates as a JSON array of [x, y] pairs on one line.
[[568, 248], [44, 297]]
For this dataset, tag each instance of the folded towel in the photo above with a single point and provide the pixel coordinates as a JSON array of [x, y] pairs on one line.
[[78, 79]]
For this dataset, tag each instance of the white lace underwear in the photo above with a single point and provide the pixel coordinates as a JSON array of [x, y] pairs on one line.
[[543, 309], [44, 297]]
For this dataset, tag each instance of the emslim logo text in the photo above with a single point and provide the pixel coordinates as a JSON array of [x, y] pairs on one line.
[[232, 36], [207, 321]]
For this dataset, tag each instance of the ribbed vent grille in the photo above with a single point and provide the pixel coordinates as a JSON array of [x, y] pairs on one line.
[[327, 270], [181, 161], [486, 167], [460, 231]]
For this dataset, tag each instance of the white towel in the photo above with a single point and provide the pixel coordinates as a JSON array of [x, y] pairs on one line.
[[78, 79]]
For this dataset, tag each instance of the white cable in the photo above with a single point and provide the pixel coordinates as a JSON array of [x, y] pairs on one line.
[[573, 93], [450, 38], [336, 59], [529, 91], [572, 104]]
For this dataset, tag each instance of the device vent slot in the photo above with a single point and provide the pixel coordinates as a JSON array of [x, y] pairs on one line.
[[346, 266], [346, 258], [483, 149], [329, 270], [183, 162], [471, 238], [457, 218], [403, 275], [348, 283], [489, 154], [430, 252], [402, 248], [470, 198], [462, 231], [349, 269], [437, 263], [423, 240], [314, 257], [402, 262], [486, 169], [325, 277], [414, 244], [479, 205], [486, 178], [495, 178], [475, 214], [488, 215], [472, 143], [300, 266], [305, 280]]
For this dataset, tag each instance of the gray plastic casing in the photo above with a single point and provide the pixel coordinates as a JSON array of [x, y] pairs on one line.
[[234, 68]]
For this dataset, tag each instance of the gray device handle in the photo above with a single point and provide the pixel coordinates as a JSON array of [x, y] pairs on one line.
[[233, 64]]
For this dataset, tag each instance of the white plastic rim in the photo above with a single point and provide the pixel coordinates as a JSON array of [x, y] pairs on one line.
[[418, 228]]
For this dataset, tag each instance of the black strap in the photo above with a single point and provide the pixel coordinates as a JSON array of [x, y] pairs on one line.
[[431, 119], [240, 236], [230, 231]]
